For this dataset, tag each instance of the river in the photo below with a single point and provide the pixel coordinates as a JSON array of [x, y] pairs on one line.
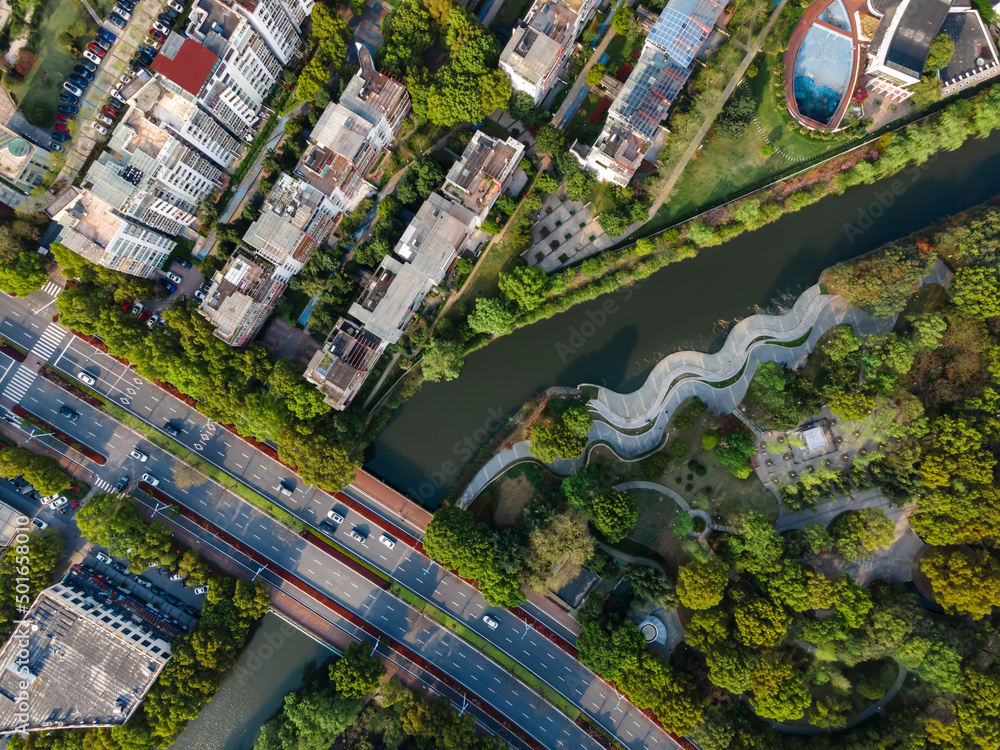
[[271, 665], [615, 340]]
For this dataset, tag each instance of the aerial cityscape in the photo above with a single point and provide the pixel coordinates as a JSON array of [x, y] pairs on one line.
[[481, 374]]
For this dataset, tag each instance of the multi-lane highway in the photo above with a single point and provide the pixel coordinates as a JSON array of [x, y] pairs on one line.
[[24, 325]]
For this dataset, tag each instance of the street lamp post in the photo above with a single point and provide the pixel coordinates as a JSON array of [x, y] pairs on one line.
[[159, 506], [377, 640], [430, 564], [465, 705], [260, 570], [619, 702], [527, 627], [46, 434]]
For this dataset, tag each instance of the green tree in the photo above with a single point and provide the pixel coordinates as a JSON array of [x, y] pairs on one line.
[[546, 183], [581, 487], [313, 76], [527, 287], [596, 74], [550, 441], [491, 316], [358, 672], [761, 624], [407, 36], [614, 513], [318, 459], [43, 552], [194, 569], [939, 54], [442, 360], [858, 533], [299, 396], [549, 140], [114, 522], [522, 107], [580, 185], [881, 282], [42, 472], [976, 291], [330, 31], [734, 453], [650, 584], [926, 92], [701, 585], [965, 580]]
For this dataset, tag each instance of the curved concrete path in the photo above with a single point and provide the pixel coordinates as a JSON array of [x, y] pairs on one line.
[[720, 379]]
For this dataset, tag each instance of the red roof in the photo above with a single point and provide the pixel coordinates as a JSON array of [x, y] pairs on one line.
[[190, 66]]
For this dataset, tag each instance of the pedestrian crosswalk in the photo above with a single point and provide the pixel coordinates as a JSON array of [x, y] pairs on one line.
[[49, 342], [52, 289], [19, 383], [102, 485]]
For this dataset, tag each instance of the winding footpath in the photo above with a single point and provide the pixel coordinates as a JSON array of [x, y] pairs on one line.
[[633, 424]]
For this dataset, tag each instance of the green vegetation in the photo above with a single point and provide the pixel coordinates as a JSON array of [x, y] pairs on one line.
[[560, 434], [34, 559], [23, 269], [115, 523], [42, 472]]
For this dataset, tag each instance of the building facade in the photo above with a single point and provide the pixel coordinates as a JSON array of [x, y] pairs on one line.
[[275, 26]]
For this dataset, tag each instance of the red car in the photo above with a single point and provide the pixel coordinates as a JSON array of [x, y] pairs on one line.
[[127, 306], [109, 111], [61, 127], [144, 315], [69, 508], [97, 49], [65, 118], [156, 35]]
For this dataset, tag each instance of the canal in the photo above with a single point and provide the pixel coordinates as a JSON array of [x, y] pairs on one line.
[[615, 340], [271, 665]]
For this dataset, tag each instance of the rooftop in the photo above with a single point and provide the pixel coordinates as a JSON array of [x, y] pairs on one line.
[[481, 174], [295, 219], [241, 287], [648, 93], [683, 27], [530, 54], [904, 36], [341, 366], [93, 226], [8, 523], [185, 62], [212, 23]]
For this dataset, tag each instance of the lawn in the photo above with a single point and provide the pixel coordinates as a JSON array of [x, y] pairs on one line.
[[725, 169], [44, 83], [581, 128]]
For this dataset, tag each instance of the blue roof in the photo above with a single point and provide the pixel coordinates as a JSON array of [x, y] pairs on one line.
[[683, 27]]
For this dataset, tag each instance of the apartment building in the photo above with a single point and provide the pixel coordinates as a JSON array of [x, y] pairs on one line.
[[634, 119], [274, 23], [480, 176], [22, 163], [541, 45], [99, 232], [351, 134], [295, 220]]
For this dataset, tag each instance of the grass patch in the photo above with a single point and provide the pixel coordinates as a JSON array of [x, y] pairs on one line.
[[254, 151], [580, 127], [487, 648], [351, 555]]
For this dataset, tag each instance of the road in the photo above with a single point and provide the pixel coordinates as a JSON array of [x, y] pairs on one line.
[[33, 330]]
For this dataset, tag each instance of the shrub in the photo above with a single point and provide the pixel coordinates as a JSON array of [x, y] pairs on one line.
[[654, 466], [679, 448], [38, 114], [684, 423], [698, 524], [709, 441]]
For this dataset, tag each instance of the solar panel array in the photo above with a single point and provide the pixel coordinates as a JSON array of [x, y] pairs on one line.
[[683, 27], [646, 98]]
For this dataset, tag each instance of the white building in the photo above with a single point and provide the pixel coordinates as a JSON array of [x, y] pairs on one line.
[[274, 23], [101, 234], [542, 44], [21, 162]]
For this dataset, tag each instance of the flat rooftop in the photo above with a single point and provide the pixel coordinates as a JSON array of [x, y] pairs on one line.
[[185, 62], [8, 523]]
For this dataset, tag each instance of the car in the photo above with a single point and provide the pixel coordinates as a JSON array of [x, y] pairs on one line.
[[358, 536], [61, 137], [106, 35], [59, 502], [151, 53], [79, 80], [191, 611], [199, 295], [153, 42], [176, 577], [69, 109], [138, 455], [166, 20], [387, 541], [143, 582], [122, 484], [26, 489], [334, 516], [134, 69], [71, 415], [120, 568], [105, 119], [109, 111], [61, 127], [284, 490], [102, 43], [144, 315], [490, 622], [327, 527], [161, 322], [174, 277], [97, 49], [47, 499], [74, 90], [125, 78], [161, 27], [69, 98], [171, 430], [150, 480], [85, 377], [158, 591], [55, 146], [152, 321], [127, 5], [186, 264], [99, 128], [117, 21], [121, 13], [39, 524], [174, 15], [36, 496], [19, 481], [144, 59], [63, 117], [174, 600], [170, 287], [117, 95], [137, 308], [88, 65], [106, 559], [157, 34], [200, 590], [119, 86], [83, 72], [175, 6], [69, 508]]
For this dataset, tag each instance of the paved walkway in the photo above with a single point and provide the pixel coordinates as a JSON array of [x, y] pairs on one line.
[[720, 379]]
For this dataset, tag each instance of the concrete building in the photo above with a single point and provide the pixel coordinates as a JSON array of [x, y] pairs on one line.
[[481, 175], [899, 49], [100, 233], [151, 176], [342, 365], [351, 134], [22, 163], [85, 655], [542, 44], [274, 23], [295, 220]]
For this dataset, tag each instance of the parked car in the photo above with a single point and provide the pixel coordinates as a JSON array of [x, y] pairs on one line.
[[107, 35], [137, 308], [121, 13], [97, 49], [102, 43], [54, 146], [166, 20], [83, 72], [387, 541], [176, 577], [146, 584], [127, 5], [170, 287], [157, 34], [61, 127], [106, 559], [99, 128], [122, 484], [47, 499], [150, 480], [490, 622], [183, 263], [171, 430], [138, 455], [109, 111], [59, 502], [85, 377], [125, 78], [120, 568], [74, 90], [62, 137], [79, 80], [105, 119], [117, 21], [358, 536], [152, 321], [158, 591], [175, 6], [144, 315], [69, 98], [117, 95], [199, 295], [69, 508], [63, 117], [148, 52], [334, 516], [39, 524], [71, 415], [69, 109], [199, 590], [191, 611], [88, 64], [174, 277]]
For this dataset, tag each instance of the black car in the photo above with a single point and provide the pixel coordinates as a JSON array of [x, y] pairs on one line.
[[68, 109], [158, 591], [174, 600], [87, 64], [173, 14], [69, 98], [122, 484], [171, 430], [191, 611], [145, 60], [120, 568], [127, 5], [117, 21], [83, 73], [61, 137], [71, 415], [166, 20]]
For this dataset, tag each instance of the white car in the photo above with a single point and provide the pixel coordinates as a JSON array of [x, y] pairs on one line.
[[39, 524], [357, 536], [137, 308], [153, 321], [490, 622], [284, 490], [390, 543], [138, 455], [199, 295], [120, 11], [162, 28], [105, 119], [88, 55], [117, 95], [119, 86], [48, 499], [199, 590], [99, 128], [85, 377], [150, 480], [143, 582], [174, 277], [334, 516], [176, 6], [59, 502], [106, 559], [124, 78]]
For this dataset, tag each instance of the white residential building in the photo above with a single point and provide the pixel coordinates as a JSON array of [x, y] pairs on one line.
[[273, 22]]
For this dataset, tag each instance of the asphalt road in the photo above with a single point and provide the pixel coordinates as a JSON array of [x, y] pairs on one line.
[[23, 325]]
